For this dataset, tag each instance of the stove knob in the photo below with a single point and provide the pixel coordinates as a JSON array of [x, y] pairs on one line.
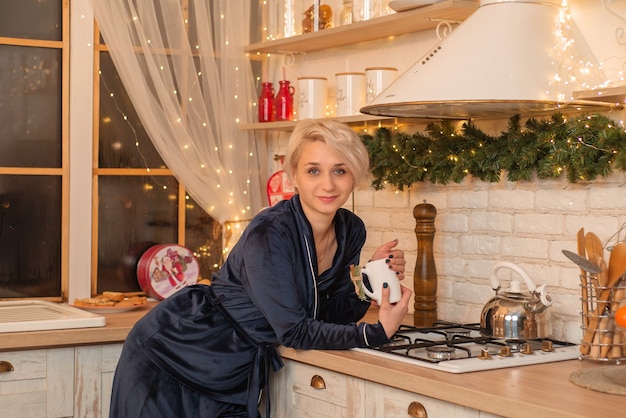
[[417, 410], [546, 345], [505, 351], [527, 349], [484, 354]]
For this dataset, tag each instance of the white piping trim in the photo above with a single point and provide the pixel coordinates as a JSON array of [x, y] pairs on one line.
[[308, 250]]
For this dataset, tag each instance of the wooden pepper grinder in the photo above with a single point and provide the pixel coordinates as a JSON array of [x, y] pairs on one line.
[[425, 276]]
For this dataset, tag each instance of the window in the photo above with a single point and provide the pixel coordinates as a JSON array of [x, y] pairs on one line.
[[33, 149], [137, 201], [140, 203]]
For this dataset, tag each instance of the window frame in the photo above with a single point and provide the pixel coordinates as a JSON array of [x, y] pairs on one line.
[[63, 171]]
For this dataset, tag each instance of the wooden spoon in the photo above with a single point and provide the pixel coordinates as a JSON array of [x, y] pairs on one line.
[[616, 268], [593, 245], [617, 263], [591, 339]]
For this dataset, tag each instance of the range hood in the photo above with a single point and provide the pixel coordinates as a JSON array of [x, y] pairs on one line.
[[509, 57]]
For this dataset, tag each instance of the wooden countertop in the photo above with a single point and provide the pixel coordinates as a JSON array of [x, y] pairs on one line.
[[536, 391], [520, 392], [117, 327], [531, 391]]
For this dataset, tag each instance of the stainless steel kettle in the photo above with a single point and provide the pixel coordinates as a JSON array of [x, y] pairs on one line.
[[515, 314]]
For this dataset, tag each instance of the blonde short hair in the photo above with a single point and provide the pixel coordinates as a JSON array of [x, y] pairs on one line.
[[336, 135]]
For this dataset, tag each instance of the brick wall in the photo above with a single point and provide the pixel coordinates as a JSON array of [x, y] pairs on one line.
[[479, 224]]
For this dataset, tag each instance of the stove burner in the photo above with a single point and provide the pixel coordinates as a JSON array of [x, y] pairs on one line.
[[515, 344], [451, 333], [459, 348], [440, 352]]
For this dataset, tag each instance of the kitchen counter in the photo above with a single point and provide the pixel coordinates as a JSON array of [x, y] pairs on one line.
[[531, 391], [117, 327]]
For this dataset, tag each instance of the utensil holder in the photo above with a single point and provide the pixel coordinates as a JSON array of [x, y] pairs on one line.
[[602, 339]]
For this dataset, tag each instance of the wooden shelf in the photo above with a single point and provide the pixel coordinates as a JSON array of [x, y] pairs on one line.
[[357, 120], [415, 20]]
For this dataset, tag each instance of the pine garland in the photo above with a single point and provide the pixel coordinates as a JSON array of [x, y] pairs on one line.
[[582, 148]]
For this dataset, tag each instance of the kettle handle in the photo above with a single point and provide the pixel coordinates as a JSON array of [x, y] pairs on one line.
[[495, 283]]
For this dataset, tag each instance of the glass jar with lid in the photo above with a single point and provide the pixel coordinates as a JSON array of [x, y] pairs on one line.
[[345, 17], [366, 9], [317, 15]]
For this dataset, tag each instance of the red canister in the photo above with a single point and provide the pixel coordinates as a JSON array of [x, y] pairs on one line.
[[165, 269]]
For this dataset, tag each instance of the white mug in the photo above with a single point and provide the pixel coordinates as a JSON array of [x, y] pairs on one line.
[[312, 96], [350, 93], [378, 272]]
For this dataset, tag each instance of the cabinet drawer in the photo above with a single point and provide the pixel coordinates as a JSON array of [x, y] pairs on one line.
[[316, 392], [386, 402], [320, 384], [29, 364], [40, 385]]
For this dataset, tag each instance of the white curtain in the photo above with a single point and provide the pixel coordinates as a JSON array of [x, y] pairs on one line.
[[183, 66]]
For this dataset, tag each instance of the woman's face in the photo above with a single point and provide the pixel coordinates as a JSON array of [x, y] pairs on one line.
[[322, 179]]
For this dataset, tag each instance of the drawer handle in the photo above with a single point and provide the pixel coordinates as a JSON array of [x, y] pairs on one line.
[[417, 410], [317, 382], [5, 366]]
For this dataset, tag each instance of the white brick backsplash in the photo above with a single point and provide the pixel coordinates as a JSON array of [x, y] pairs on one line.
[[602, 225], [468, 199], [568, 304], [363, 198], [608, 199], [373, 220], [512, 246], [468, 292], [450, 267], [421, 195], [454, 222], [511, 199], [541, 224], [479, 224], [479, 245], [480, 268], [490, 221], [446, 245], [565, 200], [402, 219], [391, 199]]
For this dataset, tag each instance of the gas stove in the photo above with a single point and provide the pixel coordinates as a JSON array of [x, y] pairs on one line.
[[461, 348]]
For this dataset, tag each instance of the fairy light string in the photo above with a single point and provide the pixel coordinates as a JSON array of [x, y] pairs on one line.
[[582, 148]]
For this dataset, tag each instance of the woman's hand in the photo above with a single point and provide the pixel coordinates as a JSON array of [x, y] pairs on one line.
[[396, 262], [391, 316]]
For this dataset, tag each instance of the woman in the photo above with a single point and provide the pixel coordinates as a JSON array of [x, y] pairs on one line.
[[206, 350]]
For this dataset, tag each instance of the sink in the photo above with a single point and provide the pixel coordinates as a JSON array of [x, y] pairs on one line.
[[41, 315]]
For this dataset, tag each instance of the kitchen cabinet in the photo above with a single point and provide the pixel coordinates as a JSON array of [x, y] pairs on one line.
[[415, 20], [95, 367], [41, 383], [303, 390], [386, 402], [58, 382]]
